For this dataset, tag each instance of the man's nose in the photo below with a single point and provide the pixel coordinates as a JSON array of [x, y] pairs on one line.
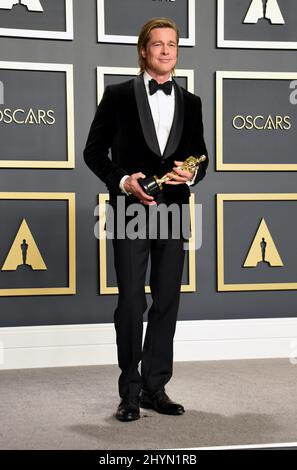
[[165, 50]]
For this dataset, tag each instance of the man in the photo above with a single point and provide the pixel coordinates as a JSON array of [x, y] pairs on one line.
[[151, 125]]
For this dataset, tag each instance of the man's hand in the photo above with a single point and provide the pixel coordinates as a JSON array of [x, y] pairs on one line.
[[179, 176], [131, 185]]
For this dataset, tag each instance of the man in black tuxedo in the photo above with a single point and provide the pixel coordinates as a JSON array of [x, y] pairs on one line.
[[151, 125]]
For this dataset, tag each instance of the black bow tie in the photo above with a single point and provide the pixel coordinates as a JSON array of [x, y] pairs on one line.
[[154, 86]]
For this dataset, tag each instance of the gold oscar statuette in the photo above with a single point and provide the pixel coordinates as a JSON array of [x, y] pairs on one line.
[[152, 184]]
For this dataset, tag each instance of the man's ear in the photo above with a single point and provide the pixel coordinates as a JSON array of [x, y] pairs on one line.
[[143, 53]]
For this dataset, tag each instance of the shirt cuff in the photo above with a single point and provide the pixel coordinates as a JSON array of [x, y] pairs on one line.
[[121, 185], [190, 182]]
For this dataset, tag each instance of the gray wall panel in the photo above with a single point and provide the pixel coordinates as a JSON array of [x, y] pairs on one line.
[[86, 54]]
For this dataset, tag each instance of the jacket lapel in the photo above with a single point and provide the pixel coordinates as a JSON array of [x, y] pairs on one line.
[[145, 115], [177, 124]]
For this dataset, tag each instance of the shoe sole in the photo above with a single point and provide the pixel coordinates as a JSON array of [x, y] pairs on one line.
[[148, 406], [126, 420]]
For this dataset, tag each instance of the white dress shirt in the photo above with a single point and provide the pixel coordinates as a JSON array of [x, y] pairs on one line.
[[162, 108]]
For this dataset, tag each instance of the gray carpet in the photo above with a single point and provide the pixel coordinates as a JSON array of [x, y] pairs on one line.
[[227, 403]]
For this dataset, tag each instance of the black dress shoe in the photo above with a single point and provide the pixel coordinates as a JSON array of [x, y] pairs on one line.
[[161, 403], [128, 410]]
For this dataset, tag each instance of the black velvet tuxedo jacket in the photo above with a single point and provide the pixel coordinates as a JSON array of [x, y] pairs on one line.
[[123, 123]]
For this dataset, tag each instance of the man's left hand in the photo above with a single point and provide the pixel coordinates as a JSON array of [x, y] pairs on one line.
[[179, 176]]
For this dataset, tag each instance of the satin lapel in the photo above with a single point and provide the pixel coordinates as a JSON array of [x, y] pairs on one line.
[[145, 115], [177, 124]]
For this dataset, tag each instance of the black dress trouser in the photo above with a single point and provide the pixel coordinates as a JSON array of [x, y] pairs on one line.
[[156, 356]]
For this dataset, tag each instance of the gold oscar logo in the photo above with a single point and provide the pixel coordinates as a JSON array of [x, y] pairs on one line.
[[24, 253], [29, 116], [32, 5], [25, 116], [259, 122], [263, 249], [264, 9]]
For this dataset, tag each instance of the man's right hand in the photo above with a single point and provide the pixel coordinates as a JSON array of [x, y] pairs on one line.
[[131, 185]]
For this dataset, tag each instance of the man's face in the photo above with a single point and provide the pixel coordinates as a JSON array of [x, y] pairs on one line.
[[161, 52]]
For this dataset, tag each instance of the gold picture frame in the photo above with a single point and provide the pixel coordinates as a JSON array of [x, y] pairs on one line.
[[222, 286], [245, 44], [237, 75], [105, 289], [71, 288], [44, 67], [45, 34], [103, 36]]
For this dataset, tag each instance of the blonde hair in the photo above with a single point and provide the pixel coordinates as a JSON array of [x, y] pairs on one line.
[[144, 37]]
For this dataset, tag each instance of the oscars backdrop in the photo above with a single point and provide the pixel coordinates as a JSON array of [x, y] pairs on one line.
[[56, 264]]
